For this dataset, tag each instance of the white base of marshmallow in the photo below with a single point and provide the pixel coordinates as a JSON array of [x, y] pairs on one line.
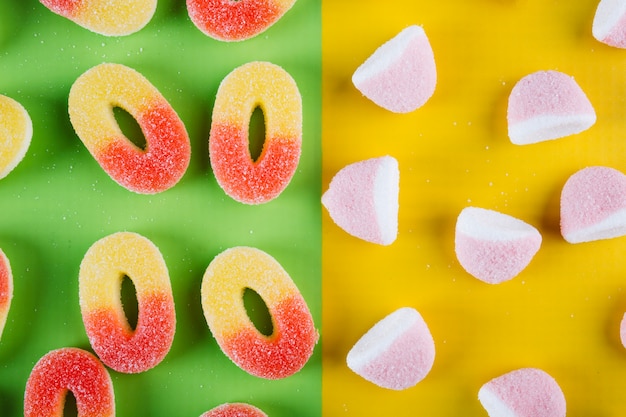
[[609, 23], [549, 127]]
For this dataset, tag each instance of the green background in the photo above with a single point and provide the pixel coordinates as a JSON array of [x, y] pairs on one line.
[[59, 201]]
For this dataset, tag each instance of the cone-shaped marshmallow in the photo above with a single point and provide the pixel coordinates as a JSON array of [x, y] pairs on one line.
[[492, 246], [609, 23], [526, 392], [396, 353], [622, 330], [400, 75], [362, 199], [593, 205], [547, 105]]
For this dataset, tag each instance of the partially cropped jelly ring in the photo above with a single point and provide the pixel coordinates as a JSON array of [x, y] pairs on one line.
[[294, 336], [104, 267], [93, 97], [106, 17], [69, 369], [6, 289], [234, 410], [268, 86], [229, 20], [16, 131]]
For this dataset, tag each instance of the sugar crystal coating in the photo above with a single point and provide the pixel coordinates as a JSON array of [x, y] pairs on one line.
[[106, 17], [593, 205], [234, 410], [70, 369], [401, 74], [396, 353], [362, 199], [294, 336], [6, 289], [168, 151], [268, 86], [526, 392], [102, 271], [547, 105], [609, 23], [492, 246], [16, 131], [228, 20]]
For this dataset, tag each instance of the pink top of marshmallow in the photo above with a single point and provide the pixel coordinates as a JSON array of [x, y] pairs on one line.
[[547, 93], [400, 75]]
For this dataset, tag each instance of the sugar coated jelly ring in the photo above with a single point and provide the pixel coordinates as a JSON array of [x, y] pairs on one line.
[[291, 343], [106, 263], [6, 289], [234, 410], [268, 86], [106, 17], [16, 132], [229, 20], [70, 369], [166, 157]]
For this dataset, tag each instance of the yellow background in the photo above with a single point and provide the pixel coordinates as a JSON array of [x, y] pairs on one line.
[[562, 313]]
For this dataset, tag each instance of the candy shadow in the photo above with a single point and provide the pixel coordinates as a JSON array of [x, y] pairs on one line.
[[551, 220]]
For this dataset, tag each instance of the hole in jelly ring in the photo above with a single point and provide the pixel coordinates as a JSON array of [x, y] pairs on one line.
[[167, 153], [6, 289], [294, 336], [274, 91], [69, 369], [229, 20], [106, 17], [102, 271]]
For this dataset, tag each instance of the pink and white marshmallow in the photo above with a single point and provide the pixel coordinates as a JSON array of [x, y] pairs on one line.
[[609, 23], [492, 246], [526, 392], [400, 75], [396, 353], [362, 199], [593, 205], [547, 105], [622, 330]]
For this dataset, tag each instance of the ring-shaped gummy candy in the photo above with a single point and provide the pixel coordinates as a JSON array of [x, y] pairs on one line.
[[93, 97], [229, 20], [69, 369], [252, 85], [106, 17], [16, 132], [6, 289], [294, 336], [102, 271]]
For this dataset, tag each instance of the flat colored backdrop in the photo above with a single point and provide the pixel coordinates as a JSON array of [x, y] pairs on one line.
[[58, 202], [562, 313]]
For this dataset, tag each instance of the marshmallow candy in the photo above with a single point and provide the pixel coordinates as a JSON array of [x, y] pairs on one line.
[[593, 205], [492, 246], [106, 17], [547, 105], [526, 392], [609, 23], [396, 353], [16, 131], [400, 75], [622, 330], [362, 199]]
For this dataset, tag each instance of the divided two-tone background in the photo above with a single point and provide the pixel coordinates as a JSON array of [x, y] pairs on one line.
[[561, 314]]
